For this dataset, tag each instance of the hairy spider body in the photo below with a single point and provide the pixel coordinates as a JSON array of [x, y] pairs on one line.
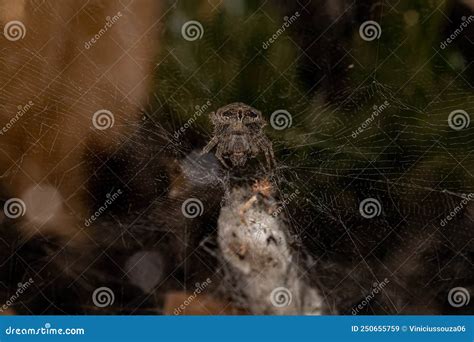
[[238, 135]]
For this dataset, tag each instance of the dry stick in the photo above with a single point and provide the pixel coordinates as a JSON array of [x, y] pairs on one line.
[[258, 260]]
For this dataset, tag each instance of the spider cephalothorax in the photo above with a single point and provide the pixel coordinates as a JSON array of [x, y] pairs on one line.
[[238, 135]]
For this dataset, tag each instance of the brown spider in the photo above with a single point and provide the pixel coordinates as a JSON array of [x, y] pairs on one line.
[[238, 135]]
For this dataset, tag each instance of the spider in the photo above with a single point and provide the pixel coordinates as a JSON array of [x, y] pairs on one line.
[[238, 135]]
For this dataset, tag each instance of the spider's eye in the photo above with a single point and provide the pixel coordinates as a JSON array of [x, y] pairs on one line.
[[251, 114], [227, 114], [253, 126]]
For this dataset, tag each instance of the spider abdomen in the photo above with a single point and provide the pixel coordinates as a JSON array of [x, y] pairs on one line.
[[237, 149]]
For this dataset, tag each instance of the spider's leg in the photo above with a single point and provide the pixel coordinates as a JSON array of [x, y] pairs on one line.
[[269, 145], [268, 158], [264, 149], [222, 161], [272, 155], [219, 156], [267, 149], [210, 146]]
